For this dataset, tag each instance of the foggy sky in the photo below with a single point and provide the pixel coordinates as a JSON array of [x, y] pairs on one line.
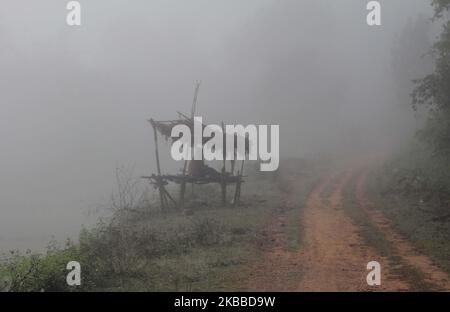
[[74, 100]]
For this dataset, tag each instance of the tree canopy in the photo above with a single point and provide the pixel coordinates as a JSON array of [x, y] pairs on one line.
[[433, 91]]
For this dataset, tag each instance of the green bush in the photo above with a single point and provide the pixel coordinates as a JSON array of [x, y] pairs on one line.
[[33, 272]]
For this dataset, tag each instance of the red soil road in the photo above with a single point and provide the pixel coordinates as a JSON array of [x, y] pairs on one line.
[[333, 256]]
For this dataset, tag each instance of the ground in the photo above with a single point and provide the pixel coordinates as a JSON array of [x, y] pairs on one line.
[[312, 226]]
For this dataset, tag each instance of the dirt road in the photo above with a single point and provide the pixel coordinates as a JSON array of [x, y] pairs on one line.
[[334, 255]]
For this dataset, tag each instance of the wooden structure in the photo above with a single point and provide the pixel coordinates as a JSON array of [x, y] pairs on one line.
[[194, 171]]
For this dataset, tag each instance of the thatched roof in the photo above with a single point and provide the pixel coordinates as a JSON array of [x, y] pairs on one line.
[[165, 129]]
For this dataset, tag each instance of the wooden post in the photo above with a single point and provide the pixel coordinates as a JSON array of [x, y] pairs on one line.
[[240, 179], [170, 197], [158, 166], [193, 111], [224, 182], [237, 192], [242, 168], [163, 192], [194, 102], [183, 185], [233, 162]]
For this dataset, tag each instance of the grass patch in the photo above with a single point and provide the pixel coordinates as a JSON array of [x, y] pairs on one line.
[[375, 238], [407, 193]]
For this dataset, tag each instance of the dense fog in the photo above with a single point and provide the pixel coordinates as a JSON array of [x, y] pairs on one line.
[[74, 100]]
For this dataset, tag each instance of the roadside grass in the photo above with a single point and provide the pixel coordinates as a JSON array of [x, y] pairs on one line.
[[158, 251], [296, 180], [375, 238], [413, 197], [295, 229]]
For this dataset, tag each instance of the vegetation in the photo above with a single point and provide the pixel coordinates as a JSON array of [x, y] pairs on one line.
[[413, 188], [433, 91]]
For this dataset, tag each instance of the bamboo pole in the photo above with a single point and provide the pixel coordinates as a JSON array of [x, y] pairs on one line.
[[233, 162], [240, 179], [224, 182], [183, 185], [194, 102], [237, 192], [158, 166], [193, 111], [170, 197]]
